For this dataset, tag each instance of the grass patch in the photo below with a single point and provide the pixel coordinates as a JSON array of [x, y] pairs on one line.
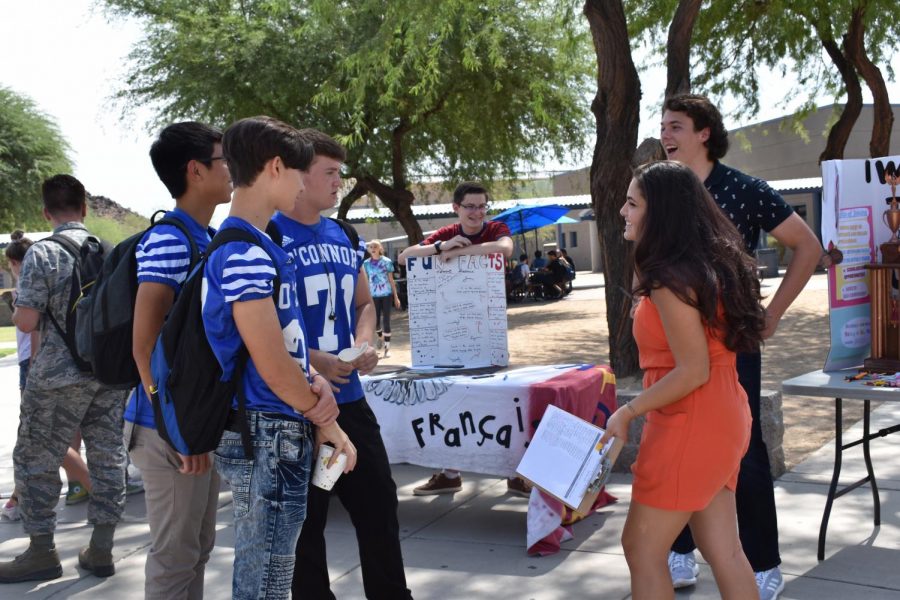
[[7, 351], [7, 334]]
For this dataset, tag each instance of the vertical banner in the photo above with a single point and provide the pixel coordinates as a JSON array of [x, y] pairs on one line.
[[457, 311], [854, 198]]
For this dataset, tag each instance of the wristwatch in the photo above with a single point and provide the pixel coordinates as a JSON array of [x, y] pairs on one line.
[[437, 246]]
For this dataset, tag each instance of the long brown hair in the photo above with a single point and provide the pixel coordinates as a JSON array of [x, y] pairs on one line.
[[690, 247]]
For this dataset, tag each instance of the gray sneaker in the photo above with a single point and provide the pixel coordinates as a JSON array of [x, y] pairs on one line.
[[770, 584], [683, 569]]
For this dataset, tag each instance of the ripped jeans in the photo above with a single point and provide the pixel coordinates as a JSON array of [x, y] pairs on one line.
[[270, 492]]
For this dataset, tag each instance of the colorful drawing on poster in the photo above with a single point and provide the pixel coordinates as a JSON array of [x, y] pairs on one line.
[[849, 281]]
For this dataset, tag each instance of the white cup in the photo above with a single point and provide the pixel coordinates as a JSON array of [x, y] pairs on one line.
[[323, 476], [348, 355]]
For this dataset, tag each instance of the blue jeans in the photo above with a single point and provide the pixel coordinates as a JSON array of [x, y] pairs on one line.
[[270, 492]]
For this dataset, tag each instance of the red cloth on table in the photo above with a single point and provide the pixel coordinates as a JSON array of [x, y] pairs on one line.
[[588, 392]]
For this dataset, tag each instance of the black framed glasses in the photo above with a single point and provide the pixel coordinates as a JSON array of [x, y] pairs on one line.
[[206, 161]]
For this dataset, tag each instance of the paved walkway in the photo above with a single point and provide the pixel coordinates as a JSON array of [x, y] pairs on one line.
[[472, 545]]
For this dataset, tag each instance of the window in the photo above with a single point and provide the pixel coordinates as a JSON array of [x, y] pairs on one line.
[[573, 239]]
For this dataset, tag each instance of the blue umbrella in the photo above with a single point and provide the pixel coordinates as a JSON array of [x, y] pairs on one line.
[[523, 217]]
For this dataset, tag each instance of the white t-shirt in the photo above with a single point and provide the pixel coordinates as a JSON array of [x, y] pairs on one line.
[[23, 343]]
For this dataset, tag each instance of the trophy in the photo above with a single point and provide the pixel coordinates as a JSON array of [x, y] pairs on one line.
[[890, 250], [883, 294]]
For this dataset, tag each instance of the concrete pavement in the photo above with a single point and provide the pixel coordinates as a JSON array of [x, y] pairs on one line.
[[472, 545]]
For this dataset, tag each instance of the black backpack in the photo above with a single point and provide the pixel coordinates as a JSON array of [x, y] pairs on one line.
[[104, 332], [89, 257], [192, 402]]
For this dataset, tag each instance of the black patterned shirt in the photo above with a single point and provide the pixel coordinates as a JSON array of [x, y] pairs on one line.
[[749, 202]]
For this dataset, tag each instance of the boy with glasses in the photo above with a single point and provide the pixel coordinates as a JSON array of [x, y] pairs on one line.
[[188, 159], [471, 235]]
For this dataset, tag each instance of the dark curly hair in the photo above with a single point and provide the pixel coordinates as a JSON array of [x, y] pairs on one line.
[[704, 114], [690, 247]]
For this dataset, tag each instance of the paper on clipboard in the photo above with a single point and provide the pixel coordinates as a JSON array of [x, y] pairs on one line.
[[564, 460]]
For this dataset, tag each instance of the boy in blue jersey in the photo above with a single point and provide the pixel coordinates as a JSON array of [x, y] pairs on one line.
[[285, 398], [339, 313], [188, 159]]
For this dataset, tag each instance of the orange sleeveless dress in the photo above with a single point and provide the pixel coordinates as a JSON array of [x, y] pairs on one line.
[[692, 448]]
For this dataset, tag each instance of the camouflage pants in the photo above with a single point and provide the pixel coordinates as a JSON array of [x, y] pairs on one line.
[[47, 422]]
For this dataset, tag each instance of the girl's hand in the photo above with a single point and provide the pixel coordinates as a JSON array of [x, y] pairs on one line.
[[618, 423]]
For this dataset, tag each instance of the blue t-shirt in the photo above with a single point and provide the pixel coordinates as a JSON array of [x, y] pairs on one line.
[[327, 273], [164, 256], [377, 272], [240, 272]]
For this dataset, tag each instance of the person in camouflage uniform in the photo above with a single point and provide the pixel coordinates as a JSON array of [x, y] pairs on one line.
[[57, 400]]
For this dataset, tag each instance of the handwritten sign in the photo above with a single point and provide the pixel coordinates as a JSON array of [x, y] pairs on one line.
[[457, 311]]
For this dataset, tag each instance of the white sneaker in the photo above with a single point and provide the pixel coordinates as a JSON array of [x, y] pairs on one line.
[[387, 353], [683, 569], [770, 584], [10, 510]]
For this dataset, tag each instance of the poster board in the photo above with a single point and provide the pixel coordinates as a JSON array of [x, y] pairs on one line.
[[565, 461], [854, 194], [457, 311]]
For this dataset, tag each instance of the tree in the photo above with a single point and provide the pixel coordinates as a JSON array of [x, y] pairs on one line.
[[31, 150], [732, 41], [616, 108], [456, 89]]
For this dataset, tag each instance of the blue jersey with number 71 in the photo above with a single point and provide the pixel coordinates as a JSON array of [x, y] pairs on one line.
[[327, 274]]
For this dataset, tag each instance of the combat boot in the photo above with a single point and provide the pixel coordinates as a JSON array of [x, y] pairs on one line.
[[97, 557], [97, 561], [38, 563]]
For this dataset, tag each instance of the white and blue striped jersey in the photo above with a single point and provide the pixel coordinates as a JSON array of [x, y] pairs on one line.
[[327, 273], [240, 272], [164, 256]]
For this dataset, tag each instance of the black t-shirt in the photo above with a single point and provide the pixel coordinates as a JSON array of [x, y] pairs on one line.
[[749, 202], [558, 271]]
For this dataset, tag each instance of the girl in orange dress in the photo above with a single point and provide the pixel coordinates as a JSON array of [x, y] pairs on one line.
[[699, 304]]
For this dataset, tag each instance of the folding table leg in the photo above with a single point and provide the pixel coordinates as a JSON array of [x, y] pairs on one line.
[[838, 457], [869, 471]]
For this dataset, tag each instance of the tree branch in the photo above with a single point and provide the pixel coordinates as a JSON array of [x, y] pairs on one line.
[[678, 47], [358, 191], [854, 43]]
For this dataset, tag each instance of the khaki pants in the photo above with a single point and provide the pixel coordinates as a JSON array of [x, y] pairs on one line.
[[181, 511]]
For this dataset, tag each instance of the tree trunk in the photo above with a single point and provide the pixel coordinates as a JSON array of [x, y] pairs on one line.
[[359, 190], [678, 48], [841, 130], [399, 202], [616, 108], [880, 144]]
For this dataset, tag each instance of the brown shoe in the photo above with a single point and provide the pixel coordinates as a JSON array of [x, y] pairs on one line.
[[439, 484], [518, 486], [39, 562], [97, 561]]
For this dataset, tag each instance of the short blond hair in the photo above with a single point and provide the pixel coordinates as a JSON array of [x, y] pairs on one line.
[[375, 245]]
